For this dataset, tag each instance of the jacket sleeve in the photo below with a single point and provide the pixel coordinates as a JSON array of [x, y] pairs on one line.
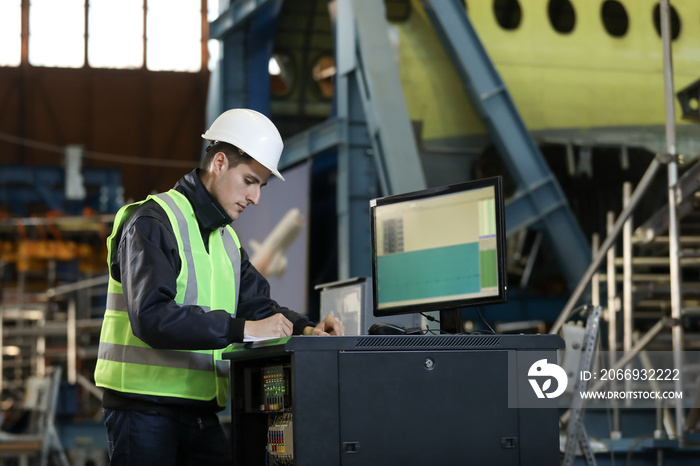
[[255, 303], [147, 264]]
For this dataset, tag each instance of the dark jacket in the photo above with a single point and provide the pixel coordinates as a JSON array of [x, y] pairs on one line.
[[147, 244]]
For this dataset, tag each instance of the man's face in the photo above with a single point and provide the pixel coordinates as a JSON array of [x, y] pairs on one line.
[[235, 188]]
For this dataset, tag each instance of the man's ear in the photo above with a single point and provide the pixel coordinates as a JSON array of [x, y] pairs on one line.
[[219, 163]]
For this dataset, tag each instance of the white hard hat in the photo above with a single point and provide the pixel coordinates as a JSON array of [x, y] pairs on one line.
[[252, 132]]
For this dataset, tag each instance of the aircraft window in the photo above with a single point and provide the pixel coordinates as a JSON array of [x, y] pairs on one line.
[[615, 19], [562, 15], [282, 74], [693, 103], [508, 13], [397, 11], [675, 21], [324, 74]]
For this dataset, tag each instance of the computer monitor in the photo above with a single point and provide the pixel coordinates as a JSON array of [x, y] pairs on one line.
[[439, 249]]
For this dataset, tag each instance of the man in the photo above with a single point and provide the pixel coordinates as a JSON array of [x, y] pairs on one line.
[[181, 290]]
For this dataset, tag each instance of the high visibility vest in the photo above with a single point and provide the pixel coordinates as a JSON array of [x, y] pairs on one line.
[[208, 279]]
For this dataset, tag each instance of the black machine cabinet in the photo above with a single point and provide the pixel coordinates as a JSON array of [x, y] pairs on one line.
[[385, 400]]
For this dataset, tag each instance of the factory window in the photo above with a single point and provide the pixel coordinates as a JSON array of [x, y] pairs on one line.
[[213, 45], [10, 32], [562, 15], [162, 35], [614, 18], [115, 34], [174, 35], [56, 33], [508, 13], [675, 21]]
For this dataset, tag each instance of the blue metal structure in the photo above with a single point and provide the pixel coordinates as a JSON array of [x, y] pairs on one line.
[[371, 133], [22, 186], [539, 199], [246, 33], [370, 102], [364, 56]]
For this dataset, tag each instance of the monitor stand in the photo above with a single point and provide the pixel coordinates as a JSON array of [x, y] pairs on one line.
[[451, 321]]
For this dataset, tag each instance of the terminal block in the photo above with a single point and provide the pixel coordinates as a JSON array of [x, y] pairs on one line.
[[280, 440]]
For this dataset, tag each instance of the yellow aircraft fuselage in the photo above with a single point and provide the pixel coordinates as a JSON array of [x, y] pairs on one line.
[[583, 87]]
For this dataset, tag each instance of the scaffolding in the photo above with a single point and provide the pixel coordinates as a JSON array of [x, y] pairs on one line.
[[52, 283]]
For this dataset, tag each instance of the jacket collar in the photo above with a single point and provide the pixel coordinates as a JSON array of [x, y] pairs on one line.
[[210, 214]]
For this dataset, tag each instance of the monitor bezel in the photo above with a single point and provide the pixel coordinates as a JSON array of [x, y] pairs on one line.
[[501, 260]]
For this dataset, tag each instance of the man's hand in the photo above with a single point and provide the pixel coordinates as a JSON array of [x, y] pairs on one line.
[[328, 326], [275, 326]]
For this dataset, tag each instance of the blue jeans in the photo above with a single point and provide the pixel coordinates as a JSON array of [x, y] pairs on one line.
[[137, 439]]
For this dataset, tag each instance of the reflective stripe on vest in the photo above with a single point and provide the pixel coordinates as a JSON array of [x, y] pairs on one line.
[[164, 358], [126, 363], [191, 289]]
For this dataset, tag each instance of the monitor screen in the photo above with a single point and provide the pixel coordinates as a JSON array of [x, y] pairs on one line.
[[439, 249]]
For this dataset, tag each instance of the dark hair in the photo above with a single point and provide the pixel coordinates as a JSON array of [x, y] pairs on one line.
[[234, 155]]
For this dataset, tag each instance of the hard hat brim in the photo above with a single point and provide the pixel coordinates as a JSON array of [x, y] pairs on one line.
[[273, 171]]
